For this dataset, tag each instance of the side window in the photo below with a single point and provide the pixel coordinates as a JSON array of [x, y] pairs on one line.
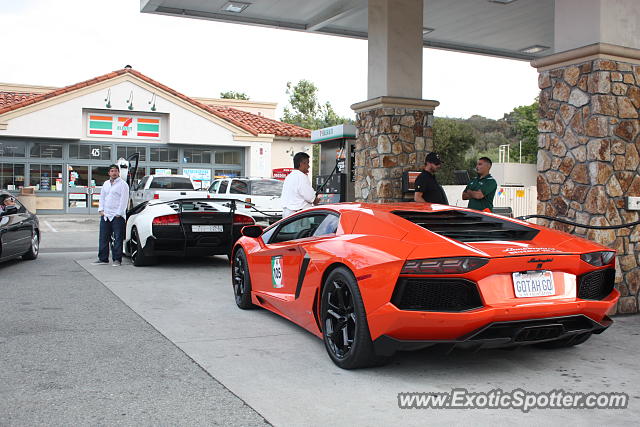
[[142, 183], [328, 226], [21, 208], [239, 187], [214, 187], [299, 228], [223, 187]]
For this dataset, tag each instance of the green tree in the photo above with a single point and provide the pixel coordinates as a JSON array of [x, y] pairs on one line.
[[306, 111], [452, 139], [525, 129], [234, 95]]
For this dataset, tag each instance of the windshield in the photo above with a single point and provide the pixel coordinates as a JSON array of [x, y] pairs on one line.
[[172, 183], [266, 187]]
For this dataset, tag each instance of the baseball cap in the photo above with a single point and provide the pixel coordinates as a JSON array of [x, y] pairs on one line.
[[434, 158]]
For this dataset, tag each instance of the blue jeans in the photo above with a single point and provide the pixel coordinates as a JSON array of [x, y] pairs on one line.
[[107, 228]]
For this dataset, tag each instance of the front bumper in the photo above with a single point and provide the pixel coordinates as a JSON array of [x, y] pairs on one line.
[[503, 334]]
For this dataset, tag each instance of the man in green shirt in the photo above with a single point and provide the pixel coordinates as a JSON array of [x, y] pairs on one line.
[[481, 190]]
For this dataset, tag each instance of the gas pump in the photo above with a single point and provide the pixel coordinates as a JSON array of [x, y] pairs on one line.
[[336, 178]]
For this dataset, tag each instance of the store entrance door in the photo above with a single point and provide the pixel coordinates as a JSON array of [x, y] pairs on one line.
[[83, 187]]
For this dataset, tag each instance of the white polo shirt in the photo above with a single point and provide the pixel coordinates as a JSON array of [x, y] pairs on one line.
[[297, 192]]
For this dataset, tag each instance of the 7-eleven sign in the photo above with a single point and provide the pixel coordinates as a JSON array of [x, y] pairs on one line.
[[123, 126]]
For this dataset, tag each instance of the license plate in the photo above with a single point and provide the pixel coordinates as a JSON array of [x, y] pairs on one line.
[[533, 284], [207, 228]]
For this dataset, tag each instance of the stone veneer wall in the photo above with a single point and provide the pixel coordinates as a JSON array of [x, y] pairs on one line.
[[588, 158], [390, 141]]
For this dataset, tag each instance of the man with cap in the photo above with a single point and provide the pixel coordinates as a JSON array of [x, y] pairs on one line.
[[114, 197], [427, 188]]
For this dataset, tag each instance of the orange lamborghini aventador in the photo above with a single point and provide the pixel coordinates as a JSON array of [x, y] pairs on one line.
[[373, 279]]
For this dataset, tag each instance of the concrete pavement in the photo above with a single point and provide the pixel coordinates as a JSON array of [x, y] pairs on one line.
[[285, 374], [72, 353]]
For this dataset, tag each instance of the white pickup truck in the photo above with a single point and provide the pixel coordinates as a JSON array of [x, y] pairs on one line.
[[262, 193], [164, 187]]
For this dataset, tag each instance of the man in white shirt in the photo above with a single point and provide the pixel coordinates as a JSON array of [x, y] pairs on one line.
[[114, 197], [297, 193]]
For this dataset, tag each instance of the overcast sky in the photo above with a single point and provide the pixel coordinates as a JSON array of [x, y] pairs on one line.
[[61, 42]]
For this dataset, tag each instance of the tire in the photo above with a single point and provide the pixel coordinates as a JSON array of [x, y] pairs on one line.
[[343, 318], [34, 249], [138, 258], [241, 280], [565, 342]]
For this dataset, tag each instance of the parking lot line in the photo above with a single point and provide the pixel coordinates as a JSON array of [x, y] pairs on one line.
[[50, 227]]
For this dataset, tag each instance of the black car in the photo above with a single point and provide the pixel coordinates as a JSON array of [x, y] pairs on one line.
[[19, 231]]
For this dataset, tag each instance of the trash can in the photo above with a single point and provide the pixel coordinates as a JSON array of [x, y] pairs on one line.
[[28, 198]]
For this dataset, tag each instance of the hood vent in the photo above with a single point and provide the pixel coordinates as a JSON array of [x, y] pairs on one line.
[[469, 226]]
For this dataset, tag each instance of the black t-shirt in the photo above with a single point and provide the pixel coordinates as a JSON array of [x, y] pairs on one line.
[[432, 192]]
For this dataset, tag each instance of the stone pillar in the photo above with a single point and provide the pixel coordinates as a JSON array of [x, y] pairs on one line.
[[589, 144], [394, 136]]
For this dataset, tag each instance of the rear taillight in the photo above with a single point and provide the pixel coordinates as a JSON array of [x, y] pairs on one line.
[[247, 200], [239, 219], [156, 196], [599, 258], [167, 220], [443, 265]]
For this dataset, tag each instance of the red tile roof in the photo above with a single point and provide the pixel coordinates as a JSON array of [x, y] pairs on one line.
[[250, 122], [9, 98], [262, 124]]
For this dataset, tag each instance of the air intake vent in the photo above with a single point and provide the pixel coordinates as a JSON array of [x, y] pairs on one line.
[[469, 226], [597, 284], [434, 294]]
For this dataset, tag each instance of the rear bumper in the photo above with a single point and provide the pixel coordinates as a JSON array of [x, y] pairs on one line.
[[178, 247], [453, 327], [503, 334]]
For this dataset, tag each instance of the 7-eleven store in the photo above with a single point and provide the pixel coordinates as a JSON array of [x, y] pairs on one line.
[[60, 142]]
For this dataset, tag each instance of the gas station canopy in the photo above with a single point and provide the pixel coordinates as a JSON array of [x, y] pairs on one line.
[[518, 29]]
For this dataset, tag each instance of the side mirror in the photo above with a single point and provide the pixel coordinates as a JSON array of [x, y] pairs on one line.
[[9, 210], [253, 231]]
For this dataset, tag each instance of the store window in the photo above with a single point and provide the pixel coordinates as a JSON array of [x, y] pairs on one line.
[[228, 157], [11, 176], [197, 155], [46, 177], [227, 173], [165, 171], [169, 155], [124, 151], [90, 151], [46, 151], [13, 149]]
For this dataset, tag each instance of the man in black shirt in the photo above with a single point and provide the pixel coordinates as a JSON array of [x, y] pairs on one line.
[[427, 188]]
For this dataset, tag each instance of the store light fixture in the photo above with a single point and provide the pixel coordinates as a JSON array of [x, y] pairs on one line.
[[534, 49], [501, 1], [235, 6]]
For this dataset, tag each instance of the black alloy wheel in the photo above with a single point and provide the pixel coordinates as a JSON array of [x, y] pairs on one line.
[[138, 257], [241, 280], [34, 249], [345, 327]]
